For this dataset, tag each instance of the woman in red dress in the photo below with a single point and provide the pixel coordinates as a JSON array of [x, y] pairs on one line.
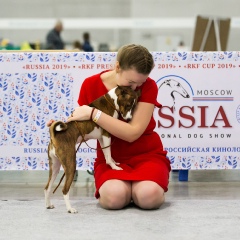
[[136, 146]]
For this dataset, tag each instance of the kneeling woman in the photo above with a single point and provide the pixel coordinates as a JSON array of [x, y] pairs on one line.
[[135, 145]]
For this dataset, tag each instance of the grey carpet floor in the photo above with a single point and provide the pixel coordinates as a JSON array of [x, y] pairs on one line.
[[176, 219]]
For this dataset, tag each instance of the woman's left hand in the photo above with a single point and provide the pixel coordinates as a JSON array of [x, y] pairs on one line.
[[80, 114]]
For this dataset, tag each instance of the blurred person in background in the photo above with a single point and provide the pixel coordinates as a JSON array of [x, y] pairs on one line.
[[182, 47], [54, 40], [86, 43], [77, 45]]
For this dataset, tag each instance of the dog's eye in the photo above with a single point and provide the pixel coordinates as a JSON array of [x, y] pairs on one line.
[[128, 105], [131, 104]]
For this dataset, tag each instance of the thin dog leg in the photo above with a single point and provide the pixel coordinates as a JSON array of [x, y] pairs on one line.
[[54, 167], [106, 141], [68, 205], [69, 174]]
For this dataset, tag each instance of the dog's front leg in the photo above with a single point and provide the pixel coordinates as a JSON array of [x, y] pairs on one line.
[[105, 142]]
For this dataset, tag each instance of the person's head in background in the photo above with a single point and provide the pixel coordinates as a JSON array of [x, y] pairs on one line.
[[86, 37], [58, 26], [87, 47], [77, 45]]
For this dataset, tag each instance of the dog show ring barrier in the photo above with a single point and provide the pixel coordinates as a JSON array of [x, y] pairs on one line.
[[198, 122]]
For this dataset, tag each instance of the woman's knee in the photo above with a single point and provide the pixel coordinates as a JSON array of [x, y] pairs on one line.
[[147, 194], [115, 194]]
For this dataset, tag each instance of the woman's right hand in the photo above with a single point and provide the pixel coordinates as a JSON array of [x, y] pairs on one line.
[[79, 114], [50, 122]]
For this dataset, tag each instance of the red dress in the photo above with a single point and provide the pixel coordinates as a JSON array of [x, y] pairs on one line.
[[143, 159]]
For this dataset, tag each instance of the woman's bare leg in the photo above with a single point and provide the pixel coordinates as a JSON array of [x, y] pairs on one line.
[[147, 194], [115, 194]]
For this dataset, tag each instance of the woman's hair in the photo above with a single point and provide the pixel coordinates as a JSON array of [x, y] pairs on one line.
[[135, 57]]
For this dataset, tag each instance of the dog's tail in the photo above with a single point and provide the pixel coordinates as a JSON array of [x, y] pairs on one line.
[[57, 126]]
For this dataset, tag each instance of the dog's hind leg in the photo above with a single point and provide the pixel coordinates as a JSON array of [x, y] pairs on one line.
[[54, 167], [69, 169]]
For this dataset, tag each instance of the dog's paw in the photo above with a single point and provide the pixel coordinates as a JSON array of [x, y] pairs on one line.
[[116, 163], [50, 207], [72, 210], [116, 167]]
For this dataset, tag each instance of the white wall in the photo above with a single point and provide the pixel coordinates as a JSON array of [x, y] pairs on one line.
[[184, 9], [59, 9]]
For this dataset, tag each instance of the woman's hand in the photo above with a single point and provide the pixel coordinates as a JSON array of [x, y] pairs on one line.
[[50, 122], [80, 114]]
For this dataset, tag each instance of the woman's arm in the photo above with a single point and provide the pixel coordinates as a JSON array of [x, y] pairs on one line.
[[126, 131]]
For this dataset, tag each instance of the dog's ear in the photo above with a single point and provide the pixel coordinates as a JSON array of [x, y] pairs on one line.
[[126, 89], [122, 90], [138, 93], [118, 90]]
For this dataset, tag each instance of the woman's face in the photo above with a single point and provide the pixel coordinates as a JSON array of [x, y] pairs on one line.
[[130, 78]]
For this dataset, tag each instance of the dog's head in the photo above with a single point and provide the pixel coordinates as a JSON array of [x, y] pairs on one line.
[[126, 101]]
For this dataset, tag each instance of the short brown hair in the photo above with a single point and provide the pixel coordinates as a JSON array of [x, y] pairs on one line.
[[135, 57]]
